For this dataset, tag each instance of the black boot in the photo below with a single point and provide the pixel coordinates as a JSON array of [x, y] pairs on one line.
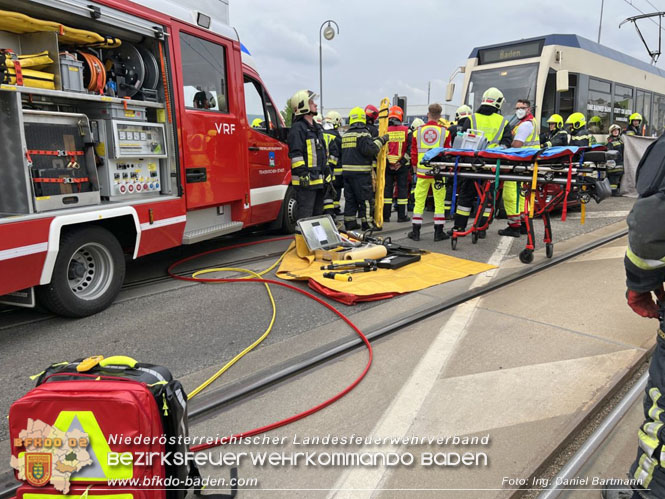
[[386, 212], [351, 225], [401, 213], [439, 234], [510, 231], [415, 232]]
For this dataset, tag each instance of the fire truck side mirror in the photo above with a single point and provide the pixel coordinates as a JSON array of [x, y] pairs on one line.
[[562, 80], [450, 91]]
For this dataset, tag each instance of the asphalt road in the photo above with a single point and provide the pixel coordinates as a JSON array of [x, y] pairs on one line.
[[194, 328]]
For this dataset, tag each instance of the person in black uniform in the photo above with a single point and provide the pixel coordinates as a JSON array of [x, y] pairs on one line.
[[359, 151], [615, 143], [309, 164]]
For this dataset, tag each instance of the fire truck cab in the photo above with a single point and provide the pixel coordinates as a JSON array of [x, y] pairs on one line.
[[126, 130]]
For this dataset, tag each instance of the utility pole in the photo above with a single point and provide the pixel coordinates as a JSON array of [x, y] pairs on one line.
[[600, 24], [429, 83]]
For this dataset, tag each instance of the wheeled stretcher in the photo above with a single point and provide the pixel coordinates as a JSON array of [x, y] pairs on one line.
[[548, 178]]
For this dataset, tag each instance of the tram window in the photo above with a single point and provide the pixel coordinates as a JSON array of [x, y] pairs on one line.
[[623, 103], [643, 106], [658, 115], [599, 106], [549, 98]]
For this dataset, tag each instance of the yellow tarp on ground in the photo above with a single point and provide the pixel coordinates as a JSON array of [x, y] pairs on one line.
[[433, 269]]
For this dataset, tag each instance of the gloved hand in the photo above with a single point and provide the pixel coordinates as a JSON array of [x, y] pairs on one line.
[[643, 304], [384, 138]]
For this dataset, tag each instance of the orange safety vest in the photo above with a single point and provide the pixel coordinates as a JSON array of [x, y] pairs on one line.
[[398, 135]]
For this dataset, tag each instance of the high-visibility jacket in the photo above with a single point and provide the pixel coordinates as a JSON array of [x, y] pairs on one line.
[[532, 140], [308, 154], [491, 125], [399, 144], [426, 137], [334, 147]]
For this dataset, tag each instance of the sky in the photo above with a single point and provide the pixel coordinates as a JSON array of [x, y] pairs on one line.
[[386, 47]]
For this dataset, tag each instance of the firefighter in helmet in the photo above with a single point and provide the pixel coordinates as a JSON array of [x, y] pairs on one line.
[[331, 123], [579, 134], [556, 135], [634, 125], [398, 165], [372, 114], [614, 173], [309, 164], [359, 151]]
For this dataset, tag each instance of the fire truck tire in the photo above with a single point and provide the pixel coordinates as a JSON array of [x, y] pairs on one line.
[[289, 210], [88, 273]]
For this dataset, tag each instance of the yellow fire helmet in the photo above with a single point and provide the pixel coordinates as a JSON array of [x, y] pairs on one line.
[[334, 117], [416, 123], [462, 112], [576, 121], [635, 117], [357, 115], [493, 97], [557, 119], [257, 123]]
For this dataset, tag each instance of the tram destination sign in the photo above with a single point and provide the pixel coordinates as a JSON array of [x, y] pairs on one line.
[[510, 52]]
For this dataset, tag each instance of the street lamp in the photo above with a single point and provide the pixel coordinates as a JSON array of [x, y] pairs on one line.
[[328, 33]]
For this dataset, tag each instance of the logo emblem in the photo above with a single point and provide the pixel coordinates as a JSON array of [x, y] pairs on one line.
[[38, 468], [430, 136]]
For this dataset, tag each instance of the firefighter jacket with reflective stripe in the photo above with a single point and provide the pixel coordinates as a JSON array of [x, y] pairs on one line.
[[373, 129], [581, 138], [494, 126], [359, 150], [615, 144], [631, 130], [309, 163], [333, 142], [532, 139], [554, 138], [426, 137], [645, 256], [399, 144]]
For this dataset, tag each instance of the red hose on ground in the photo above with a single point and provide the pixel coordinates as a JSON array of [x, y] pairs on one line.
[[301, 415]]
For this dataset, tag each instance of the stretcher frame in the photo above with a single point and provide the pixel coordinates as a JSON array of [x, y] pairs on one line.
[[569, 169]]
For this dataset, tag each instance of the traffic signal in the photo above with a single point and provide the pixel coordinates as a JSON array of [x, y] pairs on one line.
[[400, 100]]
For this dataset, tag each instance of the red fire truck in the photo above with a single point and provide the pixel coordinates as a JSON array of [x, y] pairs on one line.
[[126, 130]]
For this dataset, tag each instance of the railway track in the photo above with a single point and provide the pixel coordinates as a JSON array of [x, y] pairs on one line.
[[211, 403]]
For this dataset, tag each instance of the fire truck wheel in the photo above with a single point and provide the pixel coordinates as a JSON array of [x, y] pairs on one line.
[[289, 210], [88, 273]]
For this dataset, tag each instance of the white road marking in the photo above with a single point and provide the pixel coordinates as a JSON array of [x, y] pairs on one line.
[[400, 415]]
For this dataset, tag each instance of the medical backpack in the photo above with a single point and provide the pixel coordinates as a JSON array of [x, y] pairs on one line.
[[123, 407]]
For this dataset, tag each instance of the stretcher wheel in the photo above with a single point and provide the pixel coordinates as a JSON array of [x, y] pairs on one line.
[[526, 256], [549, 250], [453, 243], [474, 237]]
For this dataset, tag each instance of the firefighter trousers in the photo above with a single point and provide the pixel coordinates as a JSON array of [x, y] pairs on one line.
[[357, 198], [309, 202], [466, 198], [398, 177], [338, 183], [648, 467], [439, 191], [513, 202]]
